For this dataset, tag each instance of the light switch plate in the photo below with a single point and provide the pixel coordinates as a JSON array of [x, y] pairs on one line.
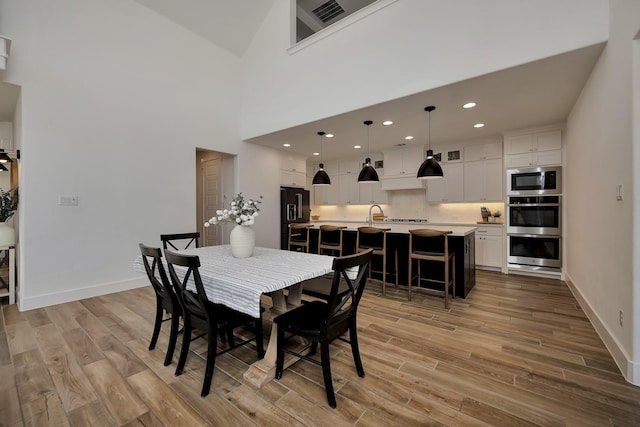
[[68, 201], [619, 194]]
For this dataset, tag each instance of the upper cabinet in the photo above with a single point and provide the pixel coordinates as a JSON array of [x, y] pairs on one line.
[[6, 136], [483, 172], [534, 148], [449, 188], [492, 150], [401, 168], [292, 171]]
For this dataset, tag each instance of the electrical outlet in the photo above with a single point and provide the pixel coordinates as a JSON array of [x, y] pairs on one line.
[[68, 201], [621, 318]]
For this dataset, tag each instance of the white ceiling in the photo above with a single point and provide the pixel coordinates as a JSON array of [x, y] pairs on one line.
[[534, 94], [538, 93], [231, 24]]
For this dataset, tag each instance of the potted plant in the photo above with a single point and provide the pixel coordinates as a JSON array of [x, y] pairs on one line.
[[497, 214], [8, 206]]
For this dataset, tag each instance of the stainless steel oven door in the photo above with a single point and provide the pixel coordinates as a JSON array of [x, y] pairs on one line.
[[534, 218], [534, 250]]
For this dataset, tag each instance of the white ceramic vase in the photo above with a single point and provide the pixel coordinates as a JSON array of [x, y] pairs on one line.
[[243, 240], [7, 235]]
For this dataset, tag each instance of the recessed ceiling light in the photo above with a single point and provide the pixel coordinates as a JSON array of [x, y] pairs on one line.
[[286, 145], [356, 146], [316, 154], [329, 135], [469, 105], [408, 137], [478, 125], [387, 122]]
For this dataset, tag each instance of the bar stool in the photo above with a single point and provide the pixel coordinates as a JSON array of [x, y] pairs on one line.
[[330, 238], [432, 245], [376, 238], [299, 237]]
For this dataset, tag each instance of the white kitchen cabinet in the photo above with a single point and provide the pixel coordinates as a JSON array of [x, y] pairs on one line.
[[349, 193], [534, 149], [292, 179], [401, 168], [292, 171], [349, 167], [449, 188], [6, 136], [489, 246], [403, 161], [483, 180], [492, 150], [373, 193]]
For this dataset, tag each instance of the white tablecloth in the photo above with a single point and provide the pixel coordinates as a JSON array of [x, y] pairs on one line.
[[238, 283]]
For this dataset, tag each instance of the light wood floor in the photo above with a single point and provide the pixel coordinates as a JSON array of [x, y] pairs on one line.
[[517, 351]]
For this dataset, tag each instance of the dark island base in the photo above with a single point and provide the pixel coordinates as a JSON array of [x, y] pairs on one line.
[[464, 248]]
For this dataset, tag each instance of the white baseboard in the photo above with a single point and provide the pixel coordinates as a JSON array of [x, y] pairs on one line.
[[46, 300], [629, 369]]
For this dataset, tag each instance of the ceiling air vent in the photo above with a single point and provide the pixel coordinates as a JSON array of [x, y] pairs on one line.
[[327, 11]]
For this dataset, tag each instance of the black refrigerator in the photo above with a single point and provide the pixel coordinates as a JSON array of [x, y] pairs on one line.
[[294, 207]]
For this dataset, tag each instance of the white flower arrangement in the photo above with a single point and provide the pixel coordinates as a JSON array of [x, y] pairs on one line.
[[241, 212]]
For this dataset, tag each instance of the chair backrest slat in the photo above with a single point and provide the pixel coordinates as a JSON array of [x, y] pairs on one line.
[[345, 304], [188, 239]]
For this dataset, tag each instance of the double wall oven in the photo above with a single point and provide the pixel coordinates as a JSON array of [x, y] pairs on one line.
[[534, 218]]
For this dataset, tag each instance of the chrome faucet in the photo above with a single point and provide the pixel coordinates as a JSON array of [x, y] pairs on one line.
[[370, 218]]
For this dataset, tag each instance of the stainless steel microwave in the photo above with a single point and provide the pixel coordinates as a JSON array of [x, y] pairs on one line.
[[534, 181]]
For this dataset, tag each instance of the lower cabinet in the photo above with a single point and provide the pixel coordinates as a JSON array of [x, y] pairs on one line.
[[489, 246]]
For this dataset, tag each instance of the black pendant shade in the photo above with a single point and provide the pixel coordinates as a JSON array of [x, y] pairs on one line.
[[4, 157], [321, 177], [430, 169], [368, 174]]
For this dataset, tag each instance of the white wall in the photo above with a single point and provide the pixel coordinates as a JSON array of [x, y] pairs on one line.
[[115, 101], [600, 257], [408, 47]]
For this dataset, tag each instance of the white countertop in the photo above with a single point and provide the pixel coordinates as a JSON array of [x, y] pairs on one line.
[[400, 227]]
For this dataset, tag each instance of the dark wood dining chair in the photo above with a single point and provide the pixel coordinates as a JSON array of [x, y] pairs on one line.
[[180, 241], [205, 316], [166, 299], [322, 322], [432, 246], [376, 238], [299, 237]]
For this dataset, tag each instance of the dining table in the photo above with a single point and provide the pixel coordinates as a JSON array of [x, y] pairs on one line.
[[241, 284]]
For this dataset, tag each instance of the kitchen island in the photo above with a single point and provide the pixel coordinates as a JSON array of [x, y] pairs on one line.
[[461, 241]]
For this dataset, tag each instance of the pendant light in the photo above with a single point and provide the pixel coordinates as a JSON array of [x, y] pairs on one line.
[[321, 177], [4, 157], [368, 174], [430, 169]]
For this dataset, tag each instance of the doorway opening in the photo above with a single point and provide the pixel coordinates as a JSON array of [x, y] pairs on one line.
[[214, 190]]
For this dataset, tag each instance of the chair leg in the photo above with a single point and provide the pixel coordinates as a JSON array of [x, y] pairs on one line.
[[355, 349], [446, 284], [326, 373], [280, 353], [158, 324], [454, 276], [384, 274], [212, 348], [173, 337], [259, 338], [186, 341], [410, 277]]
